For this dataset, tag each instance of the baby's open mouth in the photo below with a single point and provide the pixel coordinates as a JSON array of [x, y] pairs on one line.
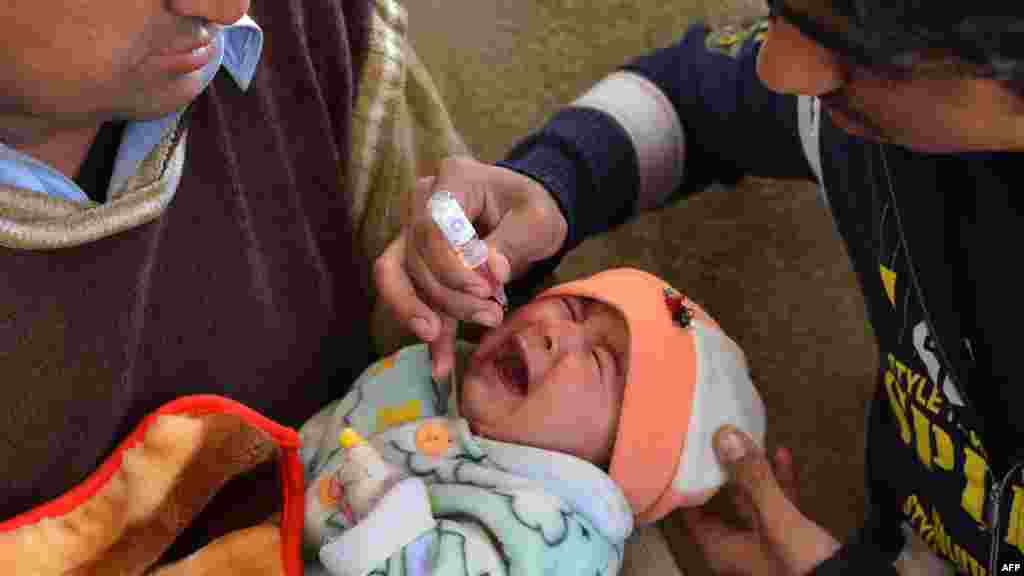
[[513, 372]]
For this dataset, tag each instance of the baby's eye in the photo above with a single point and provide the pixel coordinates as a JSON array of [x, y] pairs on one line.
[[573, 313], [597, 360]]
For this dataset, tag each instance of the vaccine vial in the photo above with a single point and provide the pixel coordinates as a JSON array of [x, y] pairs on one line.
[[462, 237]]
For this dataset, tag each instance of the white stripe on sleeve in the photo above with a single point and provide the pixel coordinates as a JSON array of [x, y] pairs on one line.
[[653, 126]]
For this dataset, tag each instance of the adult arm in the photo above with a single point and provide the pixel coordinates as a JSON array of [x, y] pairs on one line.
[[664, 126]]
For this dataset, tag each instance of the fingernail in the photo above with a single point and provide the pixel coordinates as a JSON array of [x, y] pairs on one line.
[[485, 317], [730, 446], [502, 268], [441, 368], [422, 328]]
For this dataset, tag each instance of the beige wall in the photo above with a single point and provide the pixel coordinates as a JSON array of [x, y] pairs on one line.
[[762, 258]]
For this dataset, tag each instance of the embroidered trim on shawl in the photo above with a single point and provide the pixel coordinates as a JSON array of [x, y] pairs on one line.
[[31, 220], [381, 89]]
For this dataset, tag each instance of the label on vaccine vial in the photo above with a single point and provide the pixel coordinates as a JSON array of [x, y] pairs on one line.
[[449, 217]]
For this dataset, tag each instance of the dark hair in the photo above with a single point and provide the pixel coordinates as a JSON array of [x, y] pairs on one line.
[[1016, 86], [947, 67]]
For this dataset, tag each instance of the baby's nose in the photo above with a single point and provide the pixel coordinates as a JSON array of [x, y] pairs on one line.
[[552, 339]]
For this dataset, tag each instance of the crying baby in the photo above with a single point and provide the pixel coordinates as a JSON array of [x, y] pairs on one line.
[[588, 411]]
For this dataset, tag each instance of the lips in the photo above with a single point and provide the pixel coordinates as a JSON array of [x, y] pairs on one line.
[[185, 48], [202, 38], [513, 365]]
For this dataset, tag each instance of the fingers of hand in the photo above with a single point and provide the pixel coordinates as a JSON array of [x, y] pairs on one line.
[[442, 349], [530, 230], [442, 260], [751, 473], [448, 285], [745, 508], [747, 465], [785, 532], [728, 550], [514, 214], [787, 474], [423, 189], [705, 527], [466, 179], [397, 292], [459, 176], [799, 542], [789, 534], [499, 265]]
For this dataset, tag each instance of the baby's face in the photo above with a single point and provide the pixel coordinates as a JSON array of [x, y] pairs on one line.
[[551, 376]]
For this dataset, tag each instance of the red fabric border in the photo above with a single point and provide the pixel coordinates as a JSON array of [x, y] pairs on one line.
[[291, 473]]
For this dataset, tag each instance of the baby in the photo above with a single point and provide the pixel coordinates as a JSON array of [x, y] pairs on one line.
[[589, 410]]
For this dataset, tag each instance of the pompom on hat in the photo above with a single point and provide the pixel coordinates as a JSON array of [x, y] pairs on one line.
[[685, 380]]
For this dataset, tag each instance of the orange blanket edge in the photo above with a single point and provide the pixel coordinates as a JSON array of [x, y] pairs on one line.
[[291, 472]]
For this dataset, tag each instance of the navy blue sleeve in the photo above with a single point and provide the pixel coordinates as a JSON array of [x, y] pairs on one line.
[[871, 549], [734, 127], [585, 159]]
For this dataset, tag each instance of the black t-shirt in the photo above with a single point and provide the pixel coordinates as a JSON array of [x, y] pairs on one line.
[[988, 222], [94, 174]]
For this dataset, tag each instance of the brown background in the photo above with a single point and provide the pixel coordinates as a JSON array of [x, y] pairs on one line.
[[763, 258]]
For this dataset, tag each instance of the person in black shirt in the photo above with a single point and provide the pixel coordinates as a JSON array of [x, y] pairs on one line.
[[910, 116]]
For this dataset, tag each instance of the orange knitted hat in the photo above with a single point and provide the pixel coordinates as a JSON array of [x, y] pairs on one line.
[[686, 379]]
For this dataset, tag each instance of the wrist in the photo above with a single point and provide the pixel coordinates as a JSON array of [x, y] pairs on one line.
[[586, 162], [560, 228], [551, 176]]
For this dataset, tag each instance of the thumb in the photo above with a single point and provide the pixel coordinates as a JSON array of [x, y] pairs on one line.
[[798, 541], [523, 224], [751, 473], [423, 186], [524, 235]]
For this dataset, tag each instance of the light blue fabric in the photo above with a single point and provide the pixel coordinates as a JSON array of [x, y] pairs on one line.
[[239, 47], [491, 518]]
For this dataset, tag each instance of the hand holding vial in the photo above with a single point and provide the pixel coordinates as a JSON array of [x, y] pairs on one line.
[[462, 237], [435, 275]]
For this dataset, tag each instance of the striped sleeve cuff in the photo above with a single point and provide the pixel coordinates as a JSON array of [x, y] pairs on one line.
[[586, 160], [654, 129]]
